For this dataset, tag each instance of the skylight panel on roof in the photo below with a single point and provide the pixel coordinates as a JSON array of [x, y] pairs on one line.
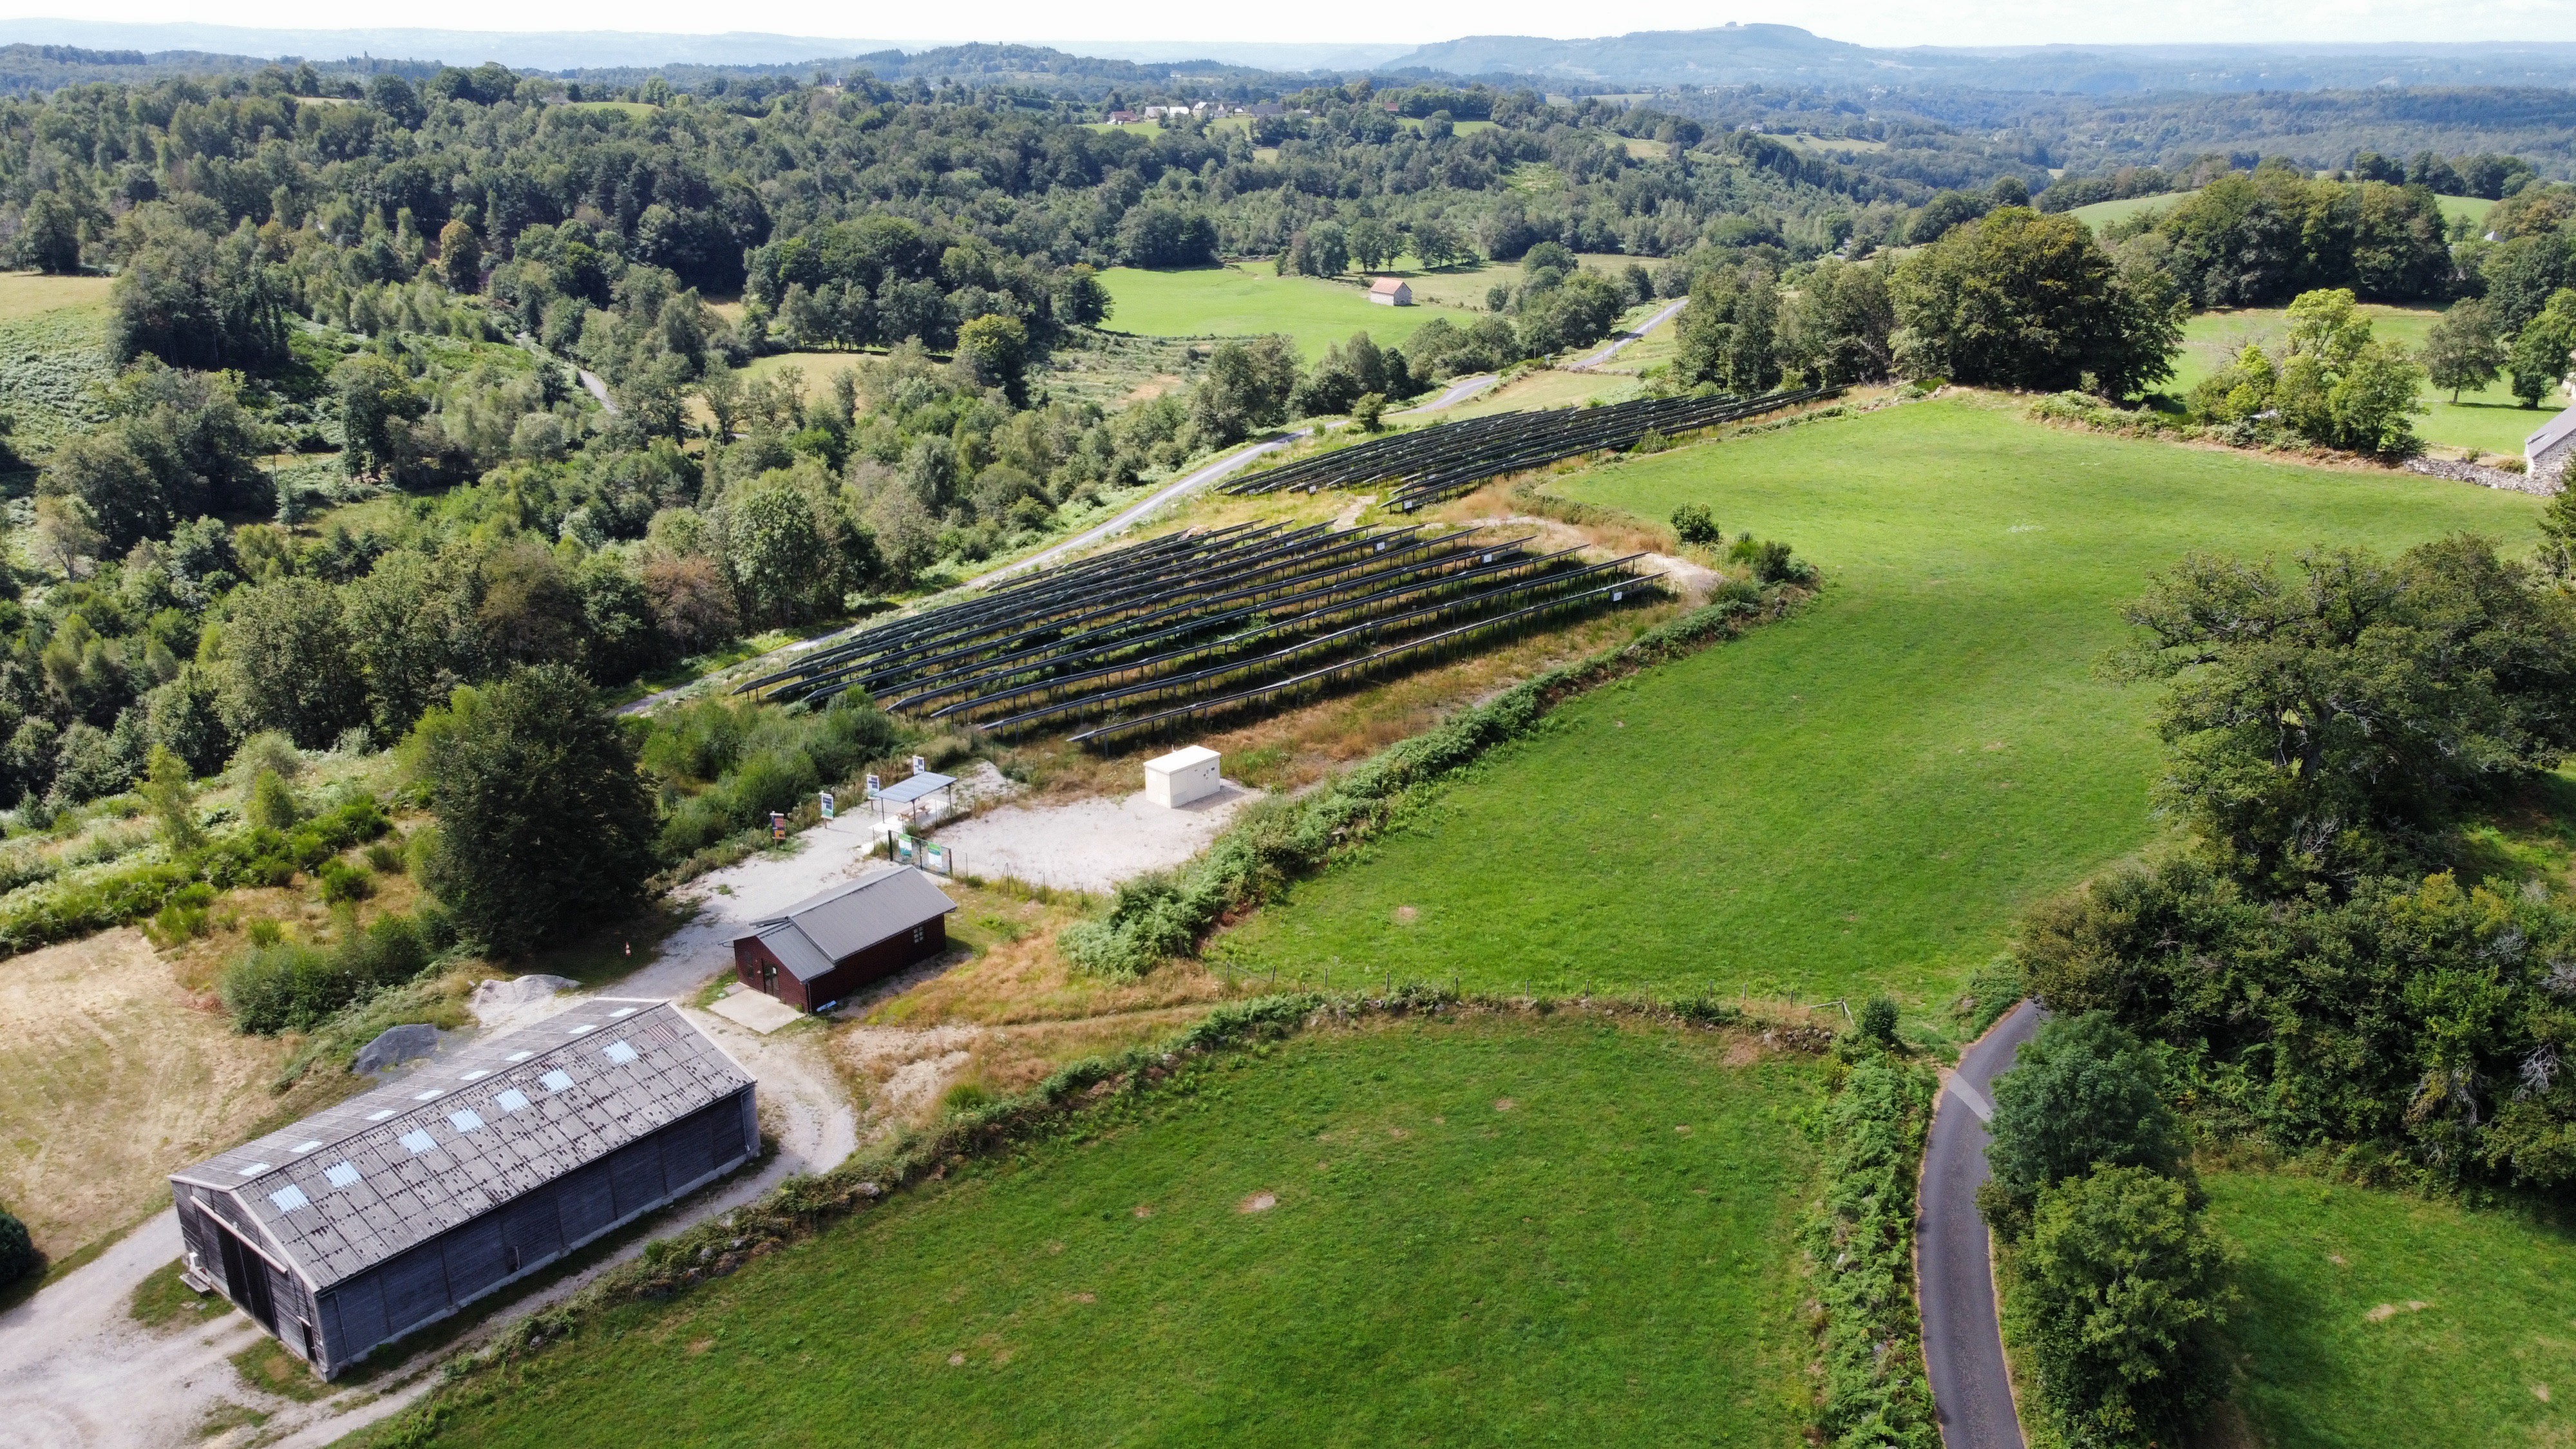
[[585, 1026], [512, 1100], [623, 1011], [619, 1052], [303, 1147], [418, 1141], [341, 1174], [289, 1198], [555, 1081], [476, 1075], [254, 1170], [380, 1116], [433, 1094], [465, 1121], [518, 1056]]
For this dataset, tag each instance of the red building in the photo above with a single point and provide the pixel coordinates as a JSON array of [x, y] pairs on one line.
[[827, 946]]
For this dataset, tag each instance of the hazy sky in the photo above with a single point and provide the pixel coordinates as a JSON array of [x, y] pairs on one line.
[[1924, 22]]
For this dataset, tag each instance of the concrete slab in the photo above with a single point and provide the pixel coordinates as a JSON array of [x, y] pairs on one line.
[[1090, 845], [758, 1010]]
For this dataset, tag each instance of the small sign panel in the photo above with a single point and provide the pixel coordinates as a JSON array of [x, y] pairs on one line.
[[920, 766], [827, 804], [777, 826], [874, 786]]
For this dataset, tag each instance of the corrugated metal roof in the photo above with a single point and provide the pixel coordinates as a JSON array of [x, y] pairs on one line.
[[904, 792], [2551, 433], [392, 1168], [819, 931]]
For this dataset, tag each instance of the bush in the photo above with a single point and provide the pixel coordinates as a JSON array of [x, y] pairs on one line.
[[1693, 523], [17, 1250], [385, 858], [271, 804], [2120, 1292], [1877, 1020], [759, 760], [290, 986], [342, 883]]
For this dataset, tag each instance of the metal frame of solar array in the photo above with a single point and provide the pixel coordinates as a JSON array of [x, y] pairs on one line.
[[1453, 458], [1161, 622]]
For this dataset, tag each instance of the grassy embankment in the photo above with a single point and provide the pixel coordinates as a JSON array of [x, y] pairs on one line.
[[1484, 1231], [1865, 796]]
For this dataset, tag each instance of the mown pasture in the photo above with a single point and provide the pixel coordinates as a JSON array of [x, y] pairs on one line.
[[2384, 1319], [1489, 1231], [1244, 301], [53, 356], [1867, 795]]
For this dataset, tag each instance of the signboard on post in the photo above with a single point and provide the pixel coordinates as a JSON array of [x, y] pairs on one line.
[[777, 826], [920, 766], [874, 787], [827, 804]]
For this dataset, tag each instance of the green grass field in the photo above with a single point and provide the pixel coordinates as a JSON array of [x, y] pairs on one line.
[[2103, 213], [1245, 301], [53, 355], [2379, 1320], [1479, 1233], [1869, 794], [2491, 420]]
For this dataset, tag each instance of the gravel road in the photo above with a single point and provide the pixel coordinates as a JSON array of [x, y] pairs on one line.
[[1963, 1347]]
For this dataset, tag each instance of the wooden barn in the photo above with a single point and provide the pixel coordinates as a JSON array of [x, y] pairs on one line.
[[826, 946], [397, 1207]]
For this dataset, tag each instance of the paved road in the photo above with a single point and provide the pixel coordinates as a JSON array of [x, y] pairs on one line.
[[597, 389], [1221, 468], [1620, 343], [1963, 1347], [1459, 390]]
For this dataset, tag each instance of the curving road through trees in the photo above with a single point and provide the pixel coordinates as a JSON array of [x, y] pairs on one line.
[[1963, 1348]]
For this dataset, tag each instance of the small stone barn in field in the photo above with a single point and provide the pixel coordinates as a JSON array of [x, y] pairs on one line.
[[826, 946], [1391, 292], [397, 1207]]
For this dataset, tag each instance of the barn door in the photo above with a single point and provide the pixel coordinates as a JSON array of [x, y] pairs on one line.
[[246, 1278]]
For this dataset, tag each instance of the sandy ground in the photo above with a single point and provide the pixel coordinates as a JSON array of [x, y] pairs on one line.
[[1090, 844], [110, 1078]]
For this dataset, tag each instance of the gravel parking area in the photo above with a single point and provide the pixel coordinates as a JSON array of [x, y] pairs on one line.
[[1090, 845]]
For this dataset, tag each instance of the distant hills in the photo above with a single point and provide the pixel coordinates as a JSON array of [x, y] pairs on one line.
[[1786, 55], [1731, 55]]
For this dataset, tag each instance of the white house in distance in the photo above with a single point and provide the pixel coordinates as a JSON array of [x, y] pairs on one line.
[[1391, 292], [2545, 453]]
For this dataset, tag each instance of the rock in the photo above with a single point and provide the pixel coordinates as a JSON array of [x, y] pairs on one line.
[[500, 998], [398, 1044]]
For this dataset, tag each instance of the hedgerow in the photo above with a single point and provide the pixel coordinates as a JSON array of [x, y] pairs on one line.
[[1157, 917], [1861, 1242]]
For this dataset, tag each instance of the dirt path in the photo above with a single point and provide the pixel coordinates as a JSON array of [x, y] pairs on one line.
[[1621, 342]]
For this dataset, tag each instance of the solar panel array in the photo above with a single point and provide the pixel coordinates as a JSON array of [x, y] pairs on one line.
[[363, 1182], [1194, 625], [1453, 458]]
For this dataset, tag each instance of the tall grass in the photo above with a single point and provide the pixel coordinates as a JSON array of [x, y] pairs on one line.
[[293, 986]]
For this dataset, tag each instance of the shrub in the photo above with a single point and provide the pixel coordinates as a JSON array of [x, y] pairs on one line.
[[291, 986], [271, 804], [17, 1249], [343, 883], [1877, 1020], [2120, 1292], [385, 858], [1692, 523]]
